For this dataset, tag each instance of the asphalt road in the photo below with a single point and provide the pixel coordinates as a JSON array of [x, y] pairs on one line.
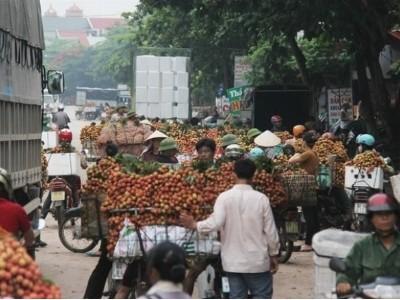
[[71, 271]]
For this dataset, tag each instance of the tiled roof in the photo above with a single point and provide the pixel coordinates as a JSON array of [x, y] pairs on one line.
[[65, 24], [105, 23]]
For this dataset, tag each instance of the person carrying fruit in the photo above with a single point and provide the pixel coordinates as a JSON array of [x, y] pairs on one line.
[[308, 161], [249, 239], [206, 150], [13, 217], [378, 254], [152, 146]]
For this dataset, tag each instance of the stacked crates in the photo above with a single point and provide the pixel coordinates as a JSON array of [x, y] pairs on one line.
[[162, 86]]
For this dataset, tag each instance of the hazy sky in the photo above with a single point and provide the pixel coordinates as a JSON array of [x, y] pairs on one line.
[[92, 7]]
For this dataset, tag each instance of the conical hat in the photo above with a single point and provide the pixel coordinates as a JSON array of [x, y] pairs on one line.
[[267, 139], [156, 135]]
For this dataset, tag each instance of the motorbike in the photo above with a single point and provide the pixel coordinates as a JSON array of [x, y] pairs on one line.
[[288, 223], [384, 287], [63, 200]]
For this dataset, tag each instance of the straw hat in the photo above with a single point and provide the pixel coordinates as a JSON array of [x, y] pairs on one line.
[[267, 139], [156, 135]]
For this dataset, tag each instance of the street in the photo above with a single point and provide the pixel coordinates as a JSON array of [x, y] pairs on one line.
[[71, 271]]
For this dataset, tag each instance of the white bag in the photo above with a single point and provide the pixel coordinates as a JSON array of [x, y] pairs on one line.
[[128, 243], [395, 181]]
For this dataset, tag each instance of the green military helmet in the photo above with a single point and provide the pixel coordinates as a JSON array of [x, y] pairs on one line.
[[229, 139], [252, 133], [168, 144]]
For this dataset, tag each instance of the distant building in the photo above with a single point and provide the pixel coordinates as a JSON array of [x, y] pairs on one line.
[[87, 31]]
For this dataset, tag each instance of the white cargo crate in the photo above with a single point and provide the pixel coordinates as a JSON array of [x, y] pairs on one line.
[[182, 111], [141, 78], [166, 110], [179, 64], [141, 94], [167, 79], [165, 64], [327, 244], [181, 79], [154, 79], [167, 95], [63, 164], [147, 63], [153, 94], [361, 177], [181, 95], [50, 139], [154, 110]]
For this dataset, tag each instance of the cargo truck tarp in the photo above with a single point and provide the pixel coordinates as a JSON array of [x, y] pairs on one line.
[[22, 19]]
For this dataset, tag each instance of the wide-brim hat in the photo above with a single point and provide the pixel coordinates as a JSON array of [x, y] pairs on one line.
[[146, 122], [156, 135], [267, 139], [168, 144]]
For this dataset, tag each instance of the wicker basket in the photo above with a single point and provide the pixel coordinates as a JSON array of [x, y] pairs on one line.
[[301, 190], [94, 224]]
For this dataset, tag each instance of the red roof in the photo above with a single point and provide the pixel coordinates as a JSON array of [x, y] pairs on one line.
[[75, 35], [105, 23]]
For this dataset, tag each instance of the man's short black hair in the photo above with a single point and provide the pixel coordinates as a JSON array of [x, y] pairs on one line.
[[206, 142], [111, 149], [245, 169], [309, 138]]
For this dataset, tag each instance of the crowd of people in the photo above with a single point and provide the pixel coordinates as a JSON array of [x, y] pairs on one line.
[[243, 216]]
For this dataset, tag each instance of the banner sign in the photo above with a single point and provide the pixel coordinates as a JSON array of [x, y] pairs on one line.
[[336, 99], [239, 98]]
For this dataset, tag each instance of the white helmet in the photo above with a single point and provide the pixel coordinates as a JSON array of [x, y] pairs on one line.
[[61, 107]]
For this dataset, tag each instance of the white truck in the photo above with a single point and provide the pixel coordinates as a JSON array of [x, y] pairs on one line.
[[22, 79]]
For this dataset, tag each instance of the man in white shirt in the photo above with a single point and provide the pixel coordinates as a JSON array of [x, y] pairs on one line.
[[250, 241]]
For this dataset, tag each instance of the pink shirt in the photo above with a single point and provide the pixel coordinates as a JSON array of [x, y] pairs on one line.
[[248, 233]]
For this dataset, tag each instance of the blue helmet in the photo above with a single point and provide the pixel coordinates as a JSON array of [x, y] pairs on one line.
[[365, 139], [256, 152]]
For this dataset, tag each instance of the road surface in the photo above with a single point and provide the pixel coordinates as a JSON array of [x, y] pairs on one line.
[[71, 271]]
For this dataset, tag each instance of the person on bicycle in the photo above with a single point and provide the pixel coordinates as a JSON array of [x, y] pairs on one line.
[[378, 254]]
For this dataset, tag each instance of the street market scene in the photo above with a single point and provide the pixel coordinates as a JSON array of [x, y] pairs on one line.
[[199, 149]]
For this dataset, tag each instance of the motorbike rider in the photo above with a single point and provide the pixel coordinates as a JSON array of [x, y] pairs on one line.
[[61, 118], [366, 142], [13, 217], [378, 254]]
